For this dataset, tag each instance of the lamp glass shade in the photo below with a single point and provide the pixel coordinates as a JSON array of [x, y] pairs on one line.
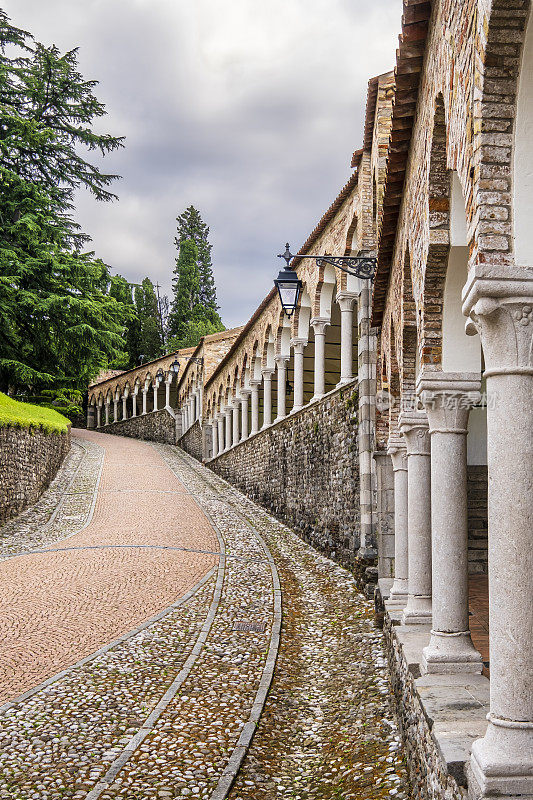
[[289, 287]]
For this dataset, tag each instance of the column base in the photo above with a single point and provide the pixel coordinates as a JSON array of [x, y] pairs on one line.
[[343, 382], [399, 589], [502, 762], [449, 653], [418, 610], [294, 409], [316, 397]]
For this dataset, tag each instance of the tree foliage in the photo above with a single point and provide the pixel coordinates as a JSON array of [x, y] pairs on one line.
[[194, 310], [58, 320]]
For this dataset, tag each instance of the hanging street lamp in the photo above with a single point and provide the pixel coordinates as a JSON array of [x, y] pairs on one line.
[[289, 285], [175, 367], [160, 374]]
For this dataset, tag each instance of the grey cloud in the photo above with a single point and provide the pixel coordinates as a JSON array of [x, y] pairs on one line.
[[252, 117]]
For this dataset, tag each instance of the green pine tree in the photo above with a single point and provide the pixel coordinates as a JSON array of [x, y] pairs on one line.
[[122, 291], [58, 322]]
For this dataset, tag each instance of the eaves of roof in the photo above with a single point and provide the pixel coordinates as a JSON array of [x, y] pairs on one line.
[[407, 72]]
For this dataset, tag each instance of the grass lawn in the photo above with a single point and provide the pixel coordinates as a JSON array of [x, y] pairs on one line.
[[26, 415]]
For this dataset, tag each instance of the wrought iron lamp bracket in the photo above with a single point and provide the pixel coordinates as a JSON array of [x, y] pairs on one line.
[[359, 266]]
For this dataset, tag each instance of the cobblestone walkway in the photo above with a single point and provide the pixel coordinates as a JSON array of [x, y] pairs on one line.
[[175, 579]]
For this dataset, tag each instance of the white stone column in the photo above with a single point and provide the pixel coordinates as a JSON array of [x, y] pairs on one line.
[[155, 387], [254, 387], [115, 409], [413, 426], [281, 366], [245, 394], [298, 346], [236, 411], [220, 425], [214, 437], [448, 398], [167, 393], [134, 404], [145, 393], [124, 406], [228, 414], [267, 396], [499, 299], [398, 453], [98, 416], [346, 301], [107, 412], [319, 326]]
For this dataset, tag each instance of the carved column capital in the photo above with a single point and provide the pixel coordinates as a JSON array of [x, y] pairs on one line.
[[448, 398], [298, 345], [319, 325], [346, 300], [499, 302], [397, 450], [414, 427], [281, 360]]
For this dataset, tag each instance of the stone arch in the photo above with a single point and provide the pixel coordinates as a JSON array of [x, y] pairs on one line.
[[498, 117], [438, 214], [302, 316], [268, 349]]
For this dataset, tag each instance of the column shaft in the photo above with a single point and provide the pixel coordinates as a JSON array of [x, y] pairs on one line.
[[267, 398], [244, 417], [398, 453], [414, 427], [298, 350], [319, 327], [281, 365], [255, 407]]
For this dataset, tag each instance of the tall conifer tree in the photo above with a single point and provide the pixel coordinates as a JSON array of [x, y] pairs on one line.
[[194, 311]]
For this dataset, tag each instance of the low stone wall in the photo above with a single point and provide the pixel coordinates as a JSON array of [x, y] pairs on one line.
[[305, 470], [428, 772], [192, 441], [156, 426], [29, 461]]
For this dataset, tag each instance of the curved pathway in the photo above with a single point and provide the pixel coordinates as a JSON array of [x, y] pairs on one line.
[[168, 600], [59, 605]]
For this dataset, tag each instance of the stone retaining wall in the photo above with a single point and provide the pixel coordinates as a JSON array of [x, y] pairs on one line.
[[305, 470], [192, 441], [156, 426], [29, 461], [429, 775]]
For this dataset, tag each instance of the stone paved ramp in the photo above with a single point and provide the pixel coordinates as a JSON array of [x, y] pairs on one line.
[[59, 605], [169, 710]]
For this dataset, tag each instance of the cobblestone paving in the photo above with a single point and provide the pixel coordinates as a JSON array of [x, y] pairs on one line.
[[167, 711], [59, 605], [328, 729]]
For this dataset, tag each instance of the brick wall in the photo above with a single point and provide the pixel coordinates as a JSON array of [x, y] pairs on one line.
[[305, 470], [157, 426], [477, 492], [29, 461], [192, 441]]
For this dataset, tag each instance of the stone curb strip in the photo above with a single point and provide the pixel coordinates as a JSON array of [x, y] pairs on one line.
[[233, 766], [129, 635], [173, 689]]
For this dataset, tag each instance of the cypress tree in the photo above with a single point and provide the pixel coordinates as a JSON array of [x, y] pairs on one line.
[[194, 311]]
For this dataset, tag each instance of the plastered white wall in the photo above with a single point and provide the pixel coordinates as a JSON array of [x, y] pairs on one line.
[[460, 353], [523, 157]]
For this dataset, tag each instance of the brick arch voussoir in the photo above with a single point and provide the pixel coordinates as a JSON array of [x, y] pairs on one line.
[[498, 62]]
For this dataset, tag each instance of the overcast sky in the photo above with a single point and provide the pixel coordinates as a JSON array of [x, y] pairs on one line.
[[247, 110]]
